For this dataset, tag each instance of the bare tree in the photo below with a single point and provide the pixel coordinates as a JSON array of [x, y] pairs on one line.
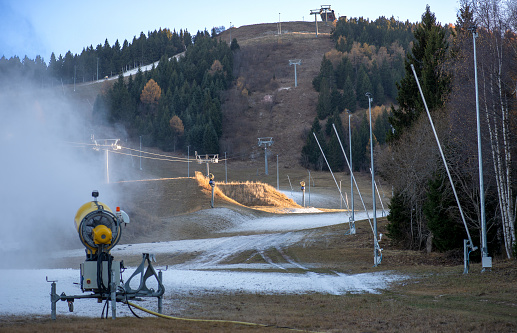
[[496, 57], [408, 166]]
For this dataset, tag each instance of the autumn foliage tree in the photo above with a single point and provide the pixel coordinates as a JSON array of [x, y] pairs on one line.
[[151, 93], [177, 128]]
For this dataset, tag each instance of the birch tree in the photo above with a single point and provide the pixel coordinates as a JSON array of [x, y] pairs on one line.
[[496, 57]]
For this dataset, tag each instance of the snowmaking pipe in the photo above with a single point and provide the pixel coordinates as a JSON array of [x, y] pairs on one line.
[[355, 182], [444, 160], [378, 194], [339, 189], [209, 320]]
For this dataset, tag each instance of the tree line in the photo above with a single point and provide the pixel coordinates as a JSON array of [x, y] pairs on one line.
[[423, 211], [96, 63], [177, 103], [347, 73]]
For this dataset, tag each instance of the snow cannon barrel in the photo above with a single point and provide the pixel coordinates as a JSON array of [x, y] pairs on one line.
[[98, 227]]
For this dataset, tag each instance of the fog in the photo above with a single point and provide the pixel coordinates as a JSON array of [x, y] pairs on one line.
[[45, 174]]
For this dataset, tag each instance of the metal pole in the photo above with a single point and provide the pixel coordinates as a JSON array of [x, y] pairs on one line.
[[53, 300], [188, 161], [351, 173], [330, 169], [309, 187], [160, 298], [484, 249], [277, 175], [289, 179], [373, 183], [265, 157], [465, 256], [225, 170], [140, 152], [355, 182], [279, 25], [113, 296], [107, 166], [340, 200], [316, 21], [213, 186], [295, 77], [379, 195]]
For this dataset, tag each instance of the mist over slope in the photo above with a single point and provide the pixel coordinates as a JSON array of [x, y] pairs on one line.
[[45, 174]]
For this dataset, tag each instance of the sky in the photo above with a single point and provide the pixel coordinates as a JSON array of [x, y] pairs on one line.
[[30, 27]]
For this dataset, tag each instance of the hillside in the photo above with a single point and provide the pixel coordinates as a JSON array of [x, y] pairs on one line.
[[272, 105], [264, 101]]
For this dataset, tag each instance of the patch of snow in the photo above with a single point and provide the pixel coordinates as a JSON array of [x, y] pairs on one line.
[[26, 291], [301, 210], [133, 71], [296, 222]]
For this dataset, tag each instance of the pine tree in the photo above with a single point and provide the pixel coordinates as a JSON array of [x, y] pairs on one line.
[[349, 97], [381, 127], [344, 71], [210, 140], [326, 72], [311, 155], [122, 105], [334, 153], [324, 106], [234, 45], [428, 57], [360, 140], [363, 86], [447, 234], [397, 218]]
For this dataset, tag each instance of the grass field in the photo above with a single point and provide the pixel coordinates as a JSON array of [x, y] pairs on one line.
[[436, 297]]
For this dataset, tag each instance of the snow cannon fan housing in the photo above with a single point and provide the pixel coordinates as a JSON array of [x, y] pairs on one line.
[[98, 227]]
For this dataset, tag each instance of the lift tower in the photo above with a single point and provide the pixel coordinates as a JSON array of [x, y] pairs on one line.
[[207, 158], [266, 142]]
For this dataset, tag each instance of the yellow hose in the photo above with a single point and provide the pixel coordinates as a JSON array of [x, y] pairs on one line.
[[208, 320]]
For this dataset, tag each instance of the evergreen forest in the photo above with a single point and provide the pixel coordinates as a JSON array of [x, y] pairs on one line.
[[368, 57], [177, 103], [96, 63]]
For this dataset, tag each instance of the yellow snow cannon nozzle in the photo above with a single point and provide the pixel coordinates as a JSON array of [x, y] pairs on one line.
[[98, 227]]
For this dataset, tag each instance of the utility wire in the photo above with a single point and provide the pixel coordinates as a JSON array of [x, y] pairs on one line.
[[155, 154], [166, 157], [150, 158]]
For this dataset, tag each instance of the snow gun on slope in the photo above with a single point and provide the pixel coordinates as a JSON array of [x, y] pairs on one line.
[[99, 230]]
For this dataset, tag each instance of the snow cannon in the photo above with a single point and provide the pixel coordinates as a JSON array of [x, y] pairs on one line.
[[98, 227], [99, 230]]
